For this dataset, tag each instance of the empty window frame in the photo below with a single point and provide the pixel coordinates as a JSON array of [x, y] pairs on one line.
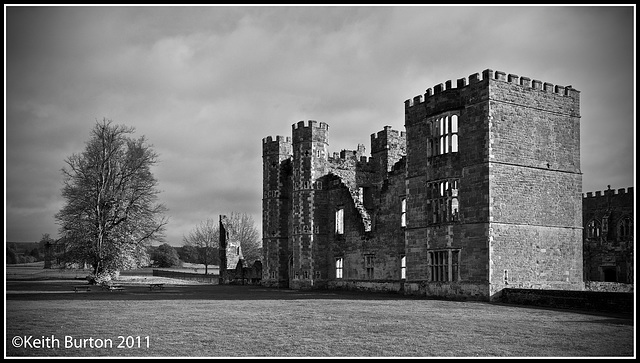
[[340, 220], [443, 205], [444, 131], [339, 265], [444, 265], [625, 228], [368, 265], [593, 229], [403, 211]]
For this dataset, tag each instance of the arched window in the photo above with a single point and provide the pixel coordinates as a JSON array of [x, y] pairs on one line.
[[625, 228], [593, 229]]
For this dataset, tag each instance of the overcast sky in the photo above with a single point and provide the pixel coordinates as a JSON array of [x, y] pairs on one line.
[[205, 85]]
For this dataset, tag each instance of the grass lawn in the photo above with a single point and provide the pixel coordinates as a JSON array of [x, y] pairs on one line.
[[252, 321]]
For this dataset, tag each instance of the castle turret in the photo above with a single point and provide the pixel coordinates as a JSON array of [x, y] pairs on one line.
[[493, 167], [276, 206], [387, 148], [310, 152]]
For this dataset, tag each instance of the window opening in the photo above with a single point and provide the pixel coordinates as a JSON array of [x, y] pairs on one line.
[[339, 262], [444, 265], [368, 263], [403, 217], [340, 221]]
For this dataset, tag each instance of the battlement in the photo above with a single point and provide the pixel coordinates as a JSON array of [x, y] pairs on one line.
[[345, 155], [388, 140], [599, 194], [277, 139], [387, 131], [314, 131], [310, 124], [487, 74], [280, 145]]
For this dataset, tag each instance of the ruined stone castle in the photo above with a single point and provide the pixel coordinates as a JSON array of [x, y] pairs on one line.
[[482, 191], [608, 235]]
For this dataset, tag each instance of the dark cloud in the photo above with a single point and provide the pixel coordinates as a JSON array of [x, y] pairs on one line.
[[206, 84]]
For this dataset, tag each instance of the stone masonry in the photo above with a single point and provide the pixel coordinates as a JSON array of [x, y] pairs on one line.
[[608, 235], [482, 192]]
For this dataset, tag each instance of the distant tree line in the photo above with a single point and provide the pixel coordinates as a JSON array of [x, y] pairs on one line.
[[163, 255], [27, 252]]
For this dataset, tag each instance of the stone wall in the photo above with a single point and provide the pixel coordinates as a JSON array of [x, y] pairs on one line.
[[496, 198], [209, 279], [609, 253], [612, 302]]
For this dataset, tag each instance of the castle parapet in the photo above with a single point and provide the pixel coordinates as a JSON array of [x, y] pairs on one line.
[[277, 139], [310, 123], [387, 131], [278, 145], [314, 131], [599, 193], [487, 74]]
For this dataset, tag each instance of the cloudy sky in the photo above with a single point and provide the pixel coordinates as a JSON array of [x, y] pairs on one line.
[[205, 85]]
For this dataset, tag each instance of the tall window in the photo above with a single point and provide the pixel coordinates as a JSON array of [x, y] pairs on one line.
[[403, 216], [368, 264], [444, 265], [593, 229], [442, 201], [403, 267], [625, 228], [444, 135], [340, 220], [339, 262]]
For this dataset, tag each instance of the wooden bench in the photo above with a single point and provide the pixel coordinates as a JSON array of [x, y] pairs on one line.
[[156, 286], [82, 287], [112, 287]]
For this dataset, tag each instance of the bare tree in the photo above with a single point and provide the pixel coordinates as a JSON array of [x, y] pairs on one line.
[[204, 237], [111, 213]]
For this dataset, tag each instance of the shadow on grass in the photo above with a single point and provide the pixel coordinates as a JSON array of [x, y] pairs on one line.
[[64, 290], [614, 321]]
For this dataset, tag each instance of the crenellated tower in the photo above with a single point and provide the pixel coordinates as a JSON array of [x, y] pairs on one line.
[[387, 148], [494, 184], [276, 207], [310, 142], [481, 192]]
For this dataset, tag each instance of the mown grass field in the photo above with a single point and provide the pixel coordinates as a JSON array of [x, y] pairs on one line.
[[250, 321]]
